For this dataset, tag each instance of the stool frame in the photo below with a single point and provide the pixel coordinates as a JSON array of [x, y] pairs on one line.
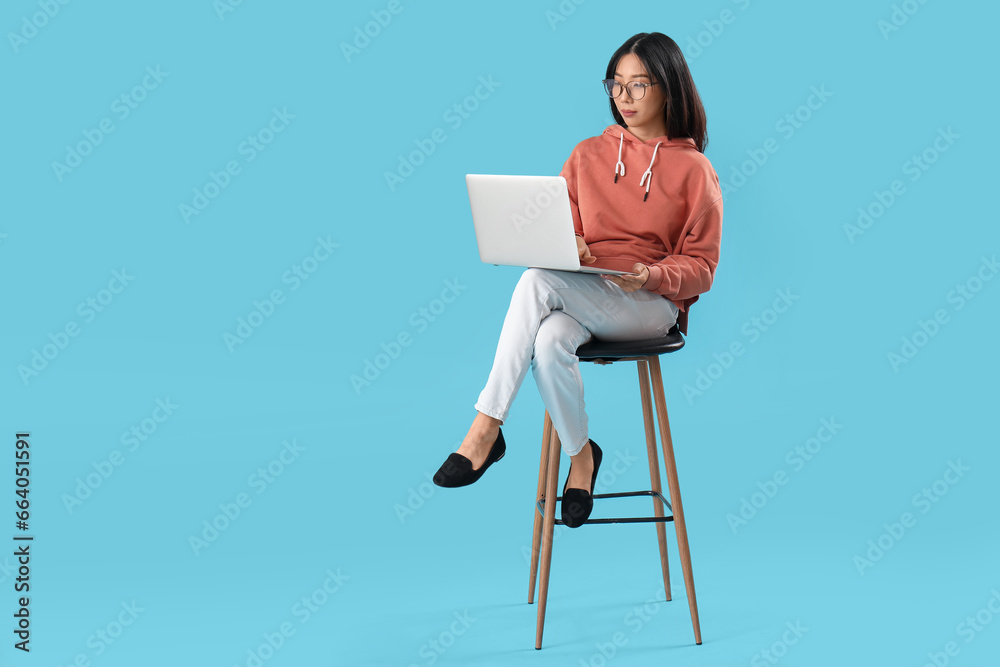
[[548, 480]]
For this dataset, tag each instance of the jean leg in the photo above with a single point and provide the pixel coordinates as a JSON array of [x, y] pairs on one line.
[[556, 370]]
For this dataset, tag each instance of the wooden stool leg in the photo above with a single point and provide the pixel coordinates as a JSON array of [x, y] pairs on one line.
[[654, 471], [537, 532], [675, 493], [551, 486]]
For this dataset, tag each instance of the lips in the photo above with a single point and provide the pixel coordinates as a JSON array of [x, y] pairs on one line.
[[627, 112]]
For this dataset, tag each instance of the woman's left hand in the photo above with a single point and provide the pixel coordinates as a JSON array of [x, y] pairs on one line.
[[631, 283]]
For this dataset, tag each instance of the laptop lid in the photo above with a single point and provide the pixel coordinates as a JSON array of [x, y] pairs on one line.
[[524, 221]]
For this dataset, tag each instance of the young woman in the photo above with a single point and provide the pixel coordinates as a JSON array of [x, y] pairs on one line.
[[644, 199]]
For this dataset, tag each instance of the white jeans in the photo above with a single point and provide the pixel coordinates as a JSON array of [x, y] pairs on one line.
[[552, 313]]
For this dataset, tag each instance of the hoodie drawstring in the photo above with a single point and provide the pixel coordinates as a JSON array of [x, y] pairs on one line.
[[620, 165], [647, 177], [649, 172]]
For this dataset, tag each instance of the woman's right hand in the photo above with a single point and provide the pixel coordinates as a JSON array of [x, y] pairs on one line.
[[585, 256]]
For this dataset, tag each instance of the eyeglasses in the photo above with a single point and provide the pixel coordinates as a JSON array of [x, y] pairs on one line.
[[636, 89]]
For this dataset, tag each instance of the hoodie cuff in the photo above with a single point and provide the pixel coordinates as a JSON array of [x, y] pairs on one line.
[[655, 278]]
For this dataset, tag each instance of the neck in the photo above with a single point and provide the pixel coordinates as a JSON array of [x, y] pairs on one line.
[[645, 132]]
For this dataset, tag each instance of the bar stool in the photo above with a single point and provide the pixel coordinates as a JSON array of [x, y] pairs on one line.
[[646, 354]]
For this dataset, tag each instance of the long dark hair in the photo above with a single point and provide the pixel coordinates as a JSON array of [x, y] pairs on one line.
[[683, 115]]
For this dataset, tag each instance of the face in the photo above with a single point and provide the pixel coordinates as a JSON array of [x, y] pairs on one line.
[[644, 115]]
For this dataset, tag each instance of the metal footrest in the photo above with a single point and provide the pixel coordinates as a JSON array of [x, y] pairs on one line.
[[540, 506]]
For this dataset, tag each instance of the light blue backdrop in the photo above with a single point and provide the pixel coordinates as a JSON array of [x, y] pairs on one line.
[[200, 248]]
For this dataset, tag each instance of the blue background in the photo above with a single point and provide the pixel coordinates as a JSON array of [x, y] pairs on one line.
[[354, 498]]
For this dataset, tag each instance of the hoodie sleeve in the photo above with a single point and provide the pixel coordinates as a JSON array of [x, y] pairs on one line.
[[569, 172], [689, 271]]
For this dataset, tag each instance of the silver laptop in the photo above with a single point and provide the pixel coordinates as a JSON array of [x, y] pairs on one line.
[[525, 221]]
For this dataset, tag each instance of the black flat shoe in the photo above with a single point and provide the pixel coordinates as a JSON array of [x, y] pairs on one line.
[[577, 504], [457, 469]]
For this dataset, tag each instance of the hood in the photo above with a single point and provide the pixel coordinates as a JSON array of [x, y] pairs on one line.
[[628, 141]]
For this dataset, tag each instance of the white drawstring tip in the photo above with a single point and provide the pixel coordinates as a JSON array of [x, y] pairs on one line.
[[620, 166], [647, 177]]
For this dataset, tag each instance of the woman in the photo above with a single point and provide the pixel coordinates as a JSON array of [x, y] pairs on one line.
[[644, 199]]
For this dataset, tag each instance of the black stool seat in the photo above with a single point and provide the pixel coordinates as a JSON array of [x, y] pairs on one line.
[[595, 350]]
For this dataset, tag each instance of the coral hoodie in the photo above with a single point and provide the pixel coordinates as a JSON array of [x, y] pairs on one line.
[[656, 202]]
